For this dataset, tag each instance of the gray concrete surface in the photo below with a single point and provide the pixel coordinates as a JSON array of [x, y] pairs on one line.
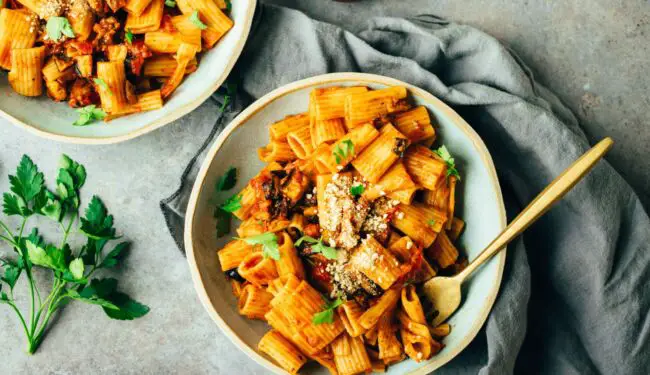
[[593, 54]]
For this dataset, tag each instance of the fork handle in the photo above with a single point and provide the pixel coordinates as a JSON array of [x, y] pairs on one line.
[[553, 193]]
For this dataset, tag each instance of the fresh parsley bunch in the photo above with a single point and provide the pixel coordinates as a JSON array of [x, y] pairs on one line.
[[71, 268]]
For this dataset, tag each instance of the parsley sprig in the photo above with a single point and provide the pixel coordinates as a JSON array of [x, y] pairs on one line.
[[57, 27], [357, 190], [128, 36], [327, 315], [343, 151], [71, 268], [194, 18], [223, 212], [318, 247], [89, 114], [170, 3], [449, 160], [269, 242]]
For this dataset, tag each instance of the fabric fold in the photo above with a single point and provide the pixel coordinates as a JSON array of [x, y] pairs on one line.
[[574, 293]]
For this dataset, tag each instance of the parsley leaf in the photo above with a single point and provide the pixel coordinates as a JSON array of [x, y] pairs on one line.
[[170, 3], [100, 82], [128, 36], [223, 221], [11, 273], [431, 222], [76, 268], [343, 151], [357, 190], [269, 242], [115, 255], [449, 160], [28, 181], [232, 204], [13, 205], [327, 315], [57, 27], [89, 114], [228, 180], [48, 256], [194, 18], [318, 247], [228, 6], [97, 224]]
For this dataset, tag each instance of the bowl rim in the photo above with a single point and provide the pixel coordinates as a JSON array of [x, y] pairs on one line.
[[331, 78], [166, 119]]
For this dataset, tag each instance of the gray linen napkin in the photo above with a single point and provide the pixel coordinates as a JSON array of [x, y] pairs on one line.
[[575, 296]]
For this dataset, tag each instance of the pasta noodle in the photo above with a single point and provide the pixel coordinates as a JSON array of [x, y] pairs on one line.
[[282, 351], [254, 302]]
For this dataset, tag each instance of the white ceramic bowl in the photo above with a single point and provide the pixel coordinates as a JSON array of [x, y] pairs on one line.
[[53, 120], [481, 206]]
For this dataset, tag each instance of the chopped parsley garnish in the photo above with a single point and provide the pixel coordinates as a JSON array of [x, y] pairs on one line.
[[327, 315], [223, 212], [269, 242], [451, 164], [318, 247], [357, 189], [431, 222], [170, 3], [88, 114], [57, 27], [228, 6], [100, 82], [343, 151], [228, 180], [232, 204], [231, 89], [128, 36], [194, 18]]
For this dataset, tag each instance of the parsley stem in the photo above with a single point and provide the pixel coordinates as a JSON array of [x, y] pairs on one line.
[[8, 239], [22, 320], [4, 226]]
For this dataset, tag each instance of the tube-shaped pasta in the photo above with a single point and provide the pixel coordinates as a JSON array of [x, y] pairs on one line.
[[257, 269], [350, 312], [145, 102], [40, 7], [425, 167], [420, 222], [326, 359], [185, 53], [218, 23], [386, 302], [16, 32], [287, 288], [281, 350], [162, 41], [443, 198], [188, 31], [329, 103], [415, 124], [457, 226], [289, 262], [300, 142], [366, 107], [136, 7], [254, 302], [231, 255], [248, 196], [279, 130], [112, 94], [418, 344], [116, 52], [253, 227], [380, 155], [56, 80], [387, 342], [350, 355], [84, 65], [276, 151], [405, 196], [81, 19], [440, 331], [377, 263], [26, 76], [148, 20], [349, 146], [165, 65], [411, 304], [321, 158], [236, 287], [443, 251], [326, 131], [396, 178]]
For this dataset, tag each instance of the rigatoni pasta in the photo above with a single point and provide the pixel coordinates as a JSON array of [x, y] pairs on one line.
[[114, 58], [352, 212]]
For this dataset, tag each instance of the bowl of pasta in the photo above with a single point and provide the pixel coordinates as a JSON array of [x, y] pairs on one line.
[[105, 71], [310, 256]]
